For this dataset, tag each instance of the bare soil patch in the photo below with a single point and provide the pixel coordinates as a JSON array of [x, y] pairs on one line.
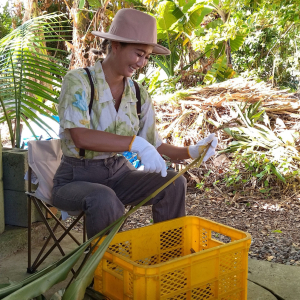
[[274, 227]]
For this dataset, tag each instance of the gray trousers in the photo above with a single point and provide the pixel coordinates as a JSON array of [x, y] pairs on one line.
[[102, 187]]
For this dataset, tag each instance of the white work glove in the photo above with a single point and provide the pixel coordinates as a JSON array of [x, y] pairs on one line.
[[150, 158], [197, 150]]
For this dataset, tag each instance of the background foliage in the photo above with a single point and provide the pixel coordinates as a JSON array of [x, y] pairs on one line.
[[210, 41]]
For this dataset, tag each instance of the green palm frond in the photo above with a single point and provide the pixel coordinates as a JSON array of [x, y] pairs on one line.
[[29, 75], [41, 281]]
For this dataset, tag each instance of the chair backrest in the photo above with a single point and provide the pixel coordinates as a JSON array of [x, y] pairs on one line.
[[44, 158]]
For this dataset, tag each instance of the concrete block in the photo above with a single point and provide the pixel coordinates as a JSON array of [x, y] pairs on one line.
[[16, 209], [256, 292], [15, 166], [282, 280], [2, 221]]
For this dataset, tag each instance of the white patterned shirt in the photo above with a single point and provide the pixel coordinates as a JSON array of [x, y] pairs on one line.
[[74, 112]]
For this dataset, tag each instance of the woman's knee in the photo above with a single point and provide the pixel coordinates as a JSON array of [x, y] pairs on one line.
[[105, 199]]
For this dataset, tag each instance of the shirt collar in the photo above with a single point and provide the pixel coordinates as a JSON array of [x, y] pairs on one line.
[[105, 93]]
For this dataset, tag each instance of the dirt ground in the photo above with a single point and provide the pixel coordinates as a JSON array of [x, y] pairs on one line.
[[273, 225], [274, 229], [273, 217]]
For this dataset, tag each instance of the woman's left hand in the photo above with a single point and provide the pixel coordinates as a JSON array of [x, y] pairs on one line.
[[196, 150]]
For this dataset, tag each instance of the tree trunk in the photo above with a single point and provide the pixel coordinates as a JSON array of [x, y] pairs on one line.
[[228, 53], [83, 41]]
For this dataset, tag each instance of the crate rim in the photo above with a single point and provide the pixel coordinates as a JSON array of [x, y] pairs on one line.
[[134, 264]]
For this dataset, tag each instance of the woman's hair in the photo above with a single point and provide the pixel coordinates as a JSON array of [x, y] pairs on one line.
[[105, 47]]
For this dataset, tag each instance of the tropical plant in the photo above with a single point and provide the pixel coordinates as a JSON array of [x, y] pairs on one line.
[[262, 150], [30, 78], [5, 20], [222, 33], [271, 50], [176, 22], [38, 283]]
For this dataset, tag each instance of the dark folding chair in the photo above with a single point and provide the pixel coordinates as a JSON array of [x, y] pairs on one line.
[[43, 159]]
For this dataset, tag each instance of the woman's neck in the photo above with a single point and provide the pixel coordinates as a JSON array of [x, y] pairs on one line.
[[115, 81], [111, 76]]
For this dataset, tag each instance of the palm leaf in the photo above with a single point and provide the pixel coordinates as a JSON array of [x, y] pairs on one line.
[[77, 288], [40, 282], [28, 73]]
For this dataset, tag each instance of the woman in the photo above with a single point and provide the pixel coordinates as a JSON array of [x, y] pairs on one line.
[[103, 181]]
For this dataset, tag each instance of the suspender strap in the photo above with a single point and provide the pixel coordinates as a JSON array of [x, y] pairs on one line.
[[92, 89], [82, 151], [138, 96]]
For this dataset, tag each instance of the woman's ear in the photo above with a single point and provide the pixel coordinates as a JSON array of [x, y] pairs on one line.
[[115, 46]]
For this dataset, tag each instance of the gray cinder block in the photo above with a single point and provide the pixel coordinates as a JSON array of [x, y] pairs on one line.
[[16, 209], [2, 221], [15, 166]]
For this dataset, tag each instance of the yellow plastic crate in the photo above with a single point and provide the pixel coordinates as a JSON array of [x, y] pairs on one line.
[[159, 262]]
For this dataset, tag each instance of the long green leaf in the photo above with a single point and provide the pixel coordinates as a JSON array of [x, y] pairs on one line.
[[29, 126], [11, 134], [36, 119], [36, 106], [160, 64], [27, 69], [77, 288], [36, 85], [40, 282]]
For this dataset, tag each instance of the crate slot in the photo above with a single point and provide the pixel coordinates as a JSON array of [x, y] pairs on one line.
[[123, 248], [220, 237], [175, 253], [231, 262], [173, 281], [204, 292], [171, 238], [152, 260]]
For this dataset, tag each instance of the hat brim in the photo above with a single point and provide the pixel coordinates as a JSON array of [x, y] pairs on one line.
[[157, 49]]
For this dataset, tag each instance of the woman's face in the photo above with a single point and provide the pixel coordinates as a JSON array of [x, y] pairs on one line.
[[131, 57]]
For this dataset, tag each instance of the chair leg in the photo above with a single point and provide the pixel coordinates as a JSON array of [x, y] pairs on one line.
[[36, 263], [48, 226], [33, 268], [40, 259], [84, 229], [61, 224], [59, 240], [29, 269]]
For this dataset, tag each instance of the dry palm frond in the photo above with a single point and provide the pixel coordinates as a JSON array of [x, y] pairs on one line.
[[214, 102], [271, 131]]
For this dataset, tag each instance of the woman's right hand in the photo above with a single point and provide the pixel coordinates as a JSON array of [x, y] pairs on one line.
[[150, 158]]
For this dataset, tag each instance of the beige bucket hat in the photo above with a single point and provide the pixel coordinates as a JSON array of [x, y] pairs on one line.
[[133, 26]]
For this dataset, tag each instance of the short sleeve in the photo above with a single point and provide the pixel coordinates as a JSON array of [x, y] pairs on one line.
[[148, 129], [73, 104]]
